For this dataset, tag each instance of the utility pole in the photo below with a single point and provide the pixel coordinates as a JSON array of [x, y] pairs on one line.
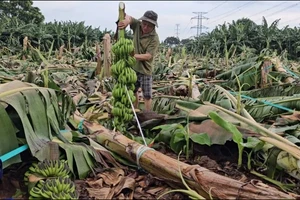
[[199, 18], [177, 30]]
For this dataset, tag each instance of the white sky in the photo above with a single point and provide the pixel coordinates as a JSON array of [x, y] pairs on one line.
[[104, 14]]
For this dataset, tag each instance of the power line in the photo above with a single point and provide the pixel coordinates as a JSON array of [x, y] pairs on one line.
[[217, 16], [199, 18], [230, 12], [185, 29], [177, 30], [282, 10], [290, 20], [266, 9], [216, 6]]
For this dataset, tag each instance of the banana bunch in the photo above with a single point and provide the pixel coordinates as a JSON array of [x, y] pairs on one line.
[[126, 77], [123, 72], [54, 188], [122, 48], [48, 168]]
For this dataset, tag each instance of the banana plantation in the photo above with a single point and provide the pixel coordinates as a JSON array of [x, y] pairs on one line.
[[224, 122]]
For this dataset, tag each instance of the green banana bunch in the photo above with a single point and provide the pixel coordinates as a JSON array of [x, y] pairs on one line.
[[122, 48], [54, 188], [48, 168], [126, 77]]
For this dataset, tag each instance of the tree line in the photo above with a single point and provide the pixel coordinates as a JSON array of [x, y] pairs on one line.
[[243, 33], [19, 19]]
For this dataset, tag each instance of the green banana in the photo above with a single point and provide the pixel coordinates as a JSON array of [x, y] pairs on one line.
[[125, 76], [35, 192]]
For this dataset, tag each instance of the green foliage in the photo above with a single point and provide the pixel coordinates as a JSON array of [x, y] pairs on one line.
[[244, 35], [48, 36], [23, 10], [236, 134], [171, 41], [177, 137]]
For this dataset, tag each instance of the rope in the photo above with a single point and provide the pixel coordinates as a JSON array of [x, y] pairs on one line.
[[266, 102], [64, 131], [290, 72], [13, 153], [80, 126], [132, 107], [142, 149]]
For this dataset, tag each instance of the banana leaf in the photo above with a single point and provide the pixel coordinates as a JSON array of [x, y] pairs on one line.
[[84, 158], [272, 91], [275, 106], [83, 154], [8, 136], [254, 107], [250, 77], [163, 105], [240, 69], [215, 96], [219, 96], [36, 114]]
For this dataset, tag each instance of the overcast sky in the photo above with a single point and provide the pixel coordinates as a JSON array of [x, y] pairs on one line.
[[104, 14]]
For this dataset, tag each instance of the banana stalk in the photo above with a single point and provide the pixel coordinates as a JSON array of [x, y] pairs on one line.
[[121, 17], [125, 76]]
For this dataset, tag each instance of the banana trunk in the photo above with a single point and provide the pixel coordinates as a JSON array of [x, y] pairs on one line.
[[200, 179]]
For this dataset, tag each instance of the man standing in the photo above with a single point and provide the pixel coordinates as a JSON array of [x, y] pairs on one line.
[[146, 43]]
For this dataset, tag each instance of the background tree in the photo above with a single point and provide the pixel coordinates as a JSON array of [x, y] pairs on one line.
[[22, 10], [185, 41], [171, 41]]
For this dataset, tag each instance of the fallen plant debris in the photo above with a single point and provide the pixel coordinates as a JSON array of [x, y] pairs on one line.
[[224, 122]]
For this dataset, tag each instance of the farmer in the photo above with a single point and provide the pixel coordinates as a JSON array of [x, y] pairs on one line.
[[146, 43]]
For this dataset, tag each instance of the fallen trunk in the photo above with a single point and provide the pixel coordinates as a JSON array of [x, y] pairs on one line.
[[280, 68], [200, 179]]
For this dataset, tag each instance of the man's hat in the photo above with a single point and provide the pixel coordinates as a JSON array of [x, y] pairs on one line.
[[150, 16]]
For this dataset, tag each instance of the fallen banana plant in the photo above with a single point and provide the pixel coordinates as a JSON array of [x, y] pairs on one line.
[[192, 194], [219, 94], [36, 114], [267, 135], [202, 180]]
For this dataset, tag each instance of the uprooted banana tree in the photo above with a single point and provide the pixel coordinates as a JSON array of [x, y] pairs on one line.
[[166, 168], [38, 117]]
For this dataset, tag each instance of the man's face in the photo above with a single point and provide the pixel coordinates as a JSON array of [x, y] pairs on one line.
[[147, 27]]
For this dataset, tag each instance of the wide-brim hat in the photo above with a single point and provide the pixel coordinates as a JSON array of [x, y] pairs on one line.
[[150, 16]]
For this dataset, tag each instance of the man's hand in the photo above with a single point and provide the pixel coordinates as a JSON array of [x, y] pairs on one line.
[[124, 23], [143, 57]]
